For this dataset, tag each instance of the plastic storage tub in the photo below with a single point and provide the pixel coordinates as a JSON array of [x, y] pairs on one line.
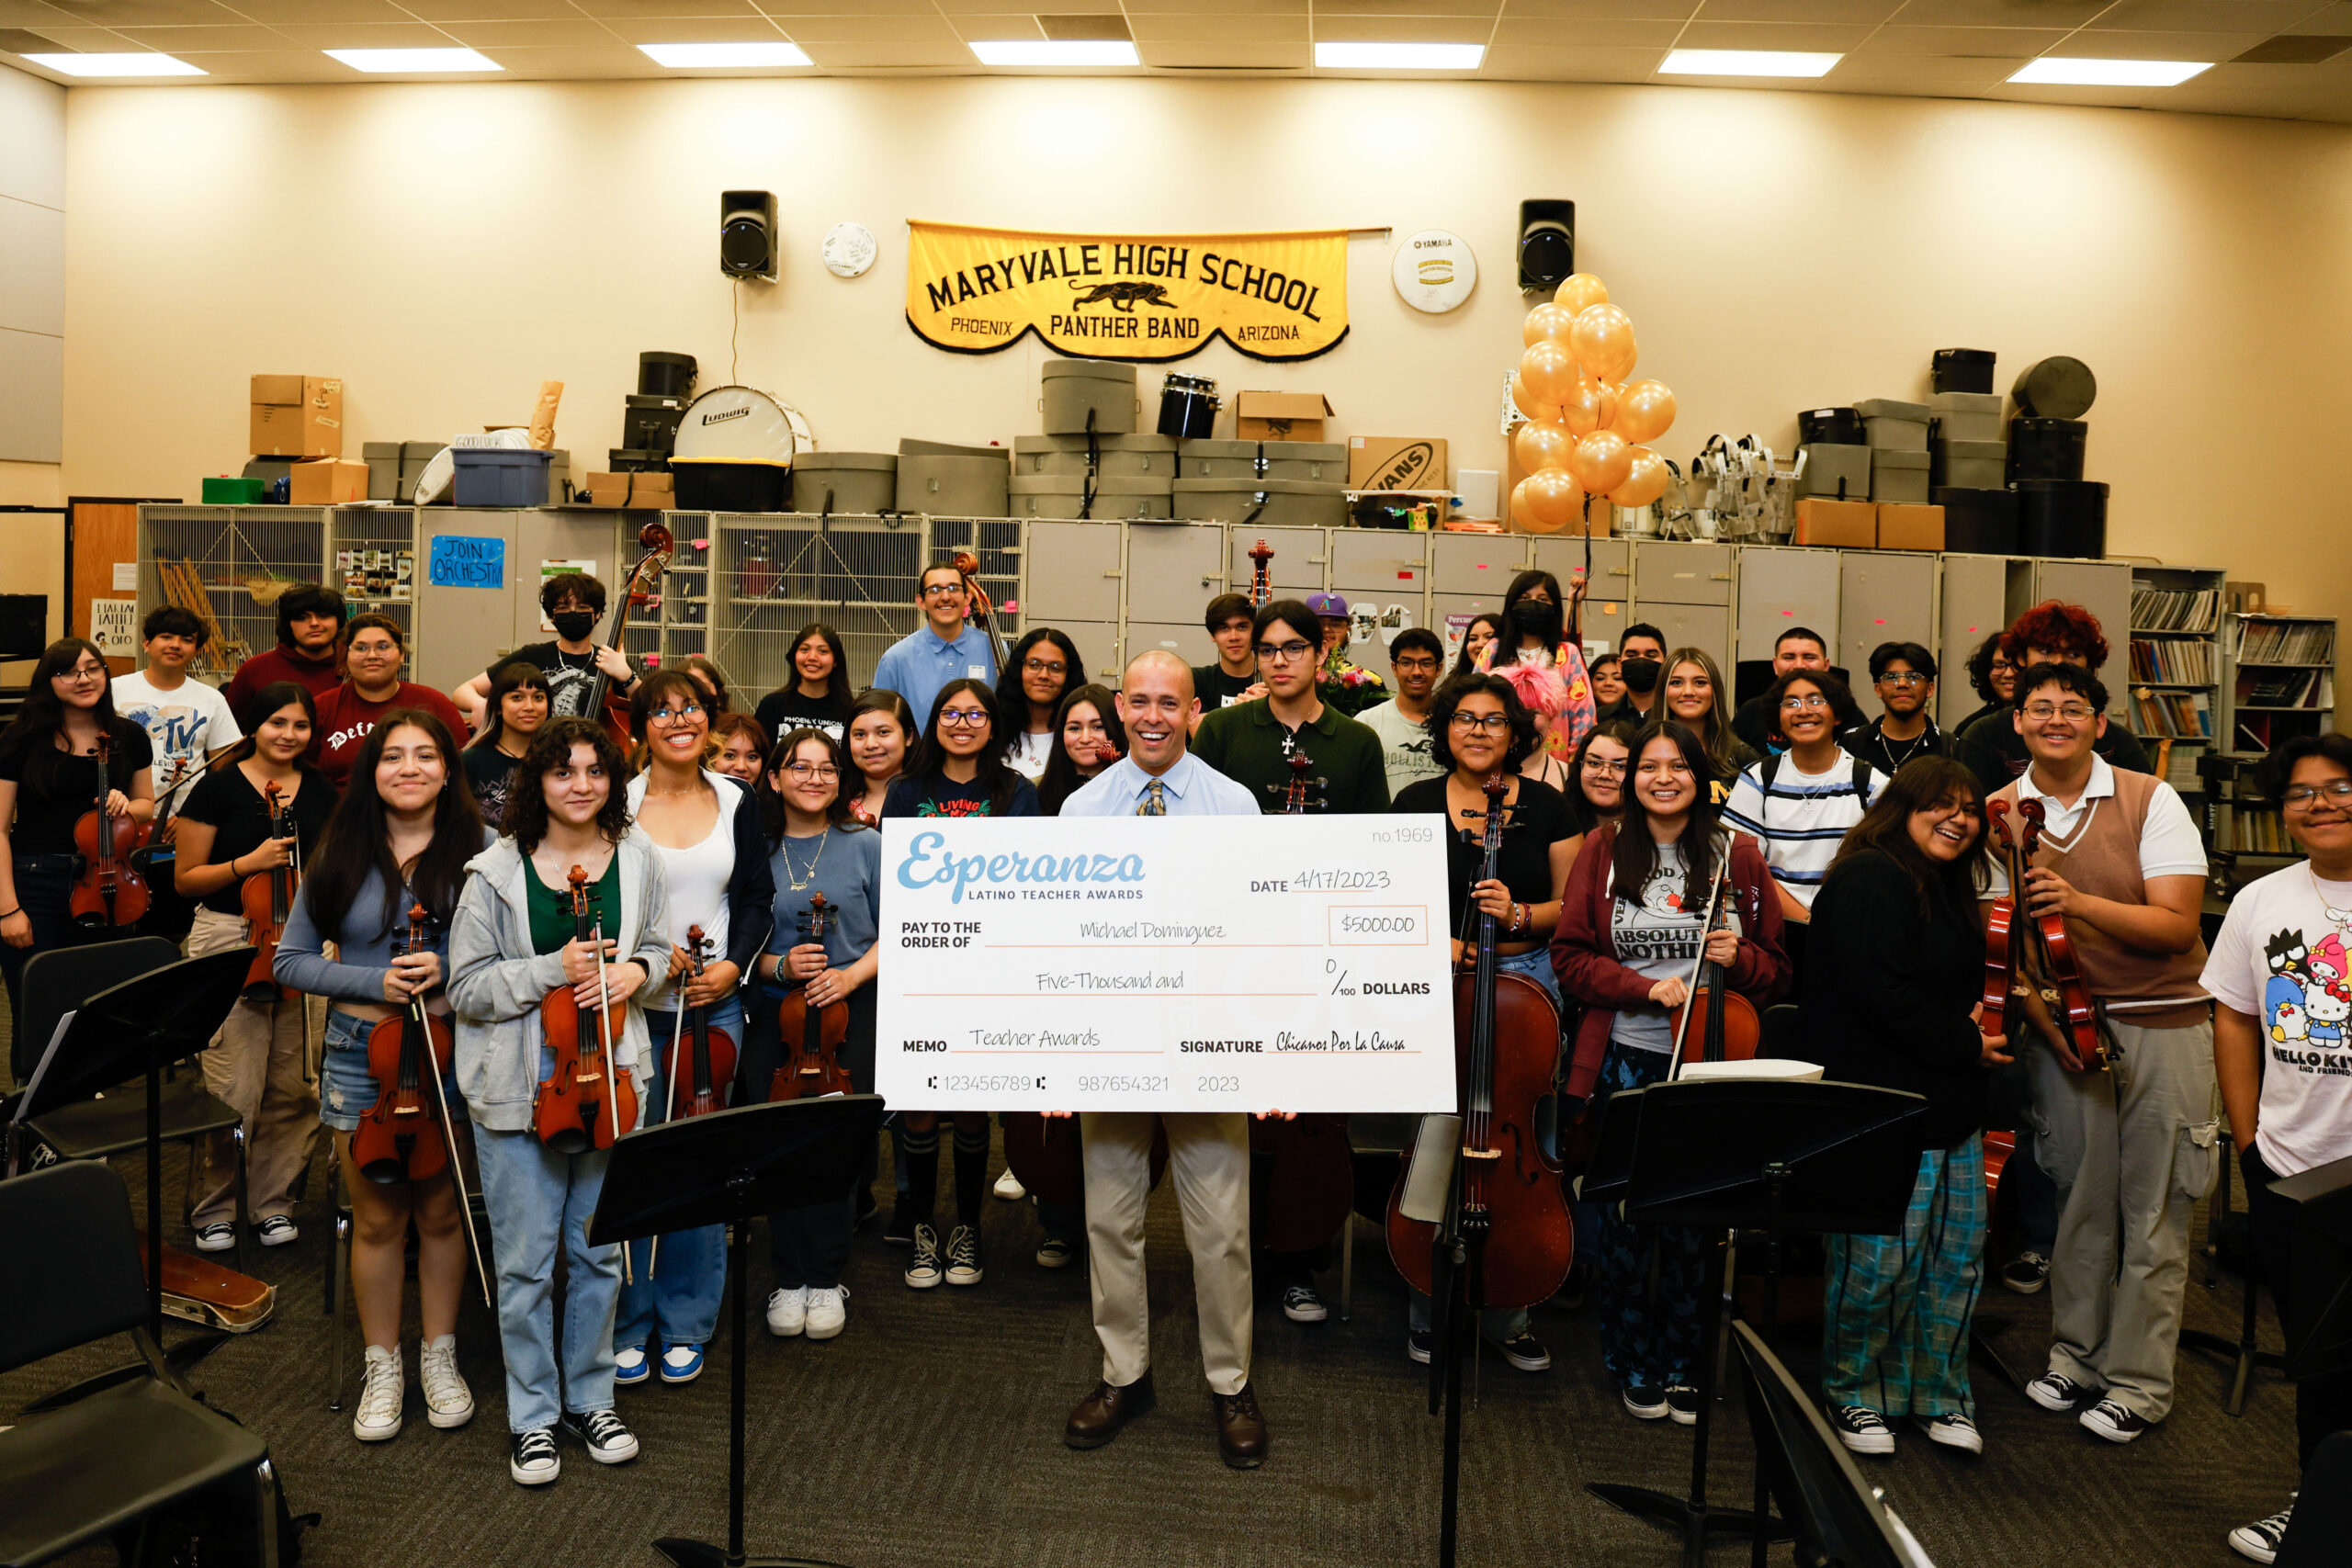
[[500, 476]]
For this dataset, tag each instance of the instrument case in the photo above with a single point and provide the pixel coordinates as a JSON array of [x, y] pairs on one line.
[[2062, 517], [1961, 371], [1314, 462], [844, 481], [1966, 416], [2047, 450], [1979, 522], [1266, 504], [1899, 477], [1968, 465], [948, 486], [1074, 389], [1144, 497], [1127, 455], [1894, 426], [1836, 472]]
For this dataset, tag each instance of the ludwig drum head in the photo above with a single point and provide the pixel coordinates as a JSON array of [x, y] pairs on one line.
[[738, 425]]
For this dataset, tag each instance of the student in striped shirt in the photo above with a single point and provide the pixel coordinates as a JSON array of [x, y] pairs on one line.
[[1801, 802]]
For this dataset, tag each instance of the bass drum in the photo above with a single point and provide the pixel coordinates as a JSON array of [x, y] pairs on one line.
[[741, 425]]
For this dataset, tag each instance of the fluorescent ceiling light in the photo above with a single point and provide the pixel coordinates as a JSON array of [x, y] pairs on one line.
[[146, 63], [2058, 71], [410, 61], [709, 56], [1399, 56], [1747, 62], [1056, 51]]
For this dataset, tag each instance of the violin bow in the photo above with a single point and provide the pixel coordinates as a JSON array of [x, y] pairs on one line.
[[1706, 929], [670, 1098], [612, 1066], [449, 1134]]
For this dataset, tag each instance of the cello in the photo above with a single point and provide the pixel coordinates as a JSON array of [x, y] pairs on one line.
[[267, 897], [109, 891], [812, 1036], [586, 1102], [659, 546], [710, 1053], [968, 566], [2039, 954], [1514, 1216]]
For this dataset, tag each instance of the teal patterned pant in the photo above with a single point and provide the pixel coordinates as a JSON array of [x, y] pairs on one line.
[[1894, 1331], [1649, 1337]]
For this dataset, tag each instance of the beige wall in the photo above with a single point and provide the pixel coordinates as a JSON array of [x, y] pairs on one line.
[[444, 247]]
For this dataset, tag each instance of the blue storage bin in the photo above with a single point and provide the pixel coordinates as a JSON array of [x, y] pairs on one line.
[[500, 476]]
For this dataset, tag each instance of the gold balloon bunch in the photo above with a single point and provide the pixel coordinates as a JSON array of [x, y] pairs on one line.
[[1584, 420]]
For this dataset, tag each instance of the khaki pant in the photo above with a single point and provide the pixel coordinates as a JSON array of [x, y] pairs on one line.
[[260, 1063], [1208, 1156], [2133, 1150]]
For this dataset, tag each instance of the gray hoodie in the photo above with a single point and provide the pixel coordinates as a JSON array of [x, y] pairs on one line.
[[496, 981]]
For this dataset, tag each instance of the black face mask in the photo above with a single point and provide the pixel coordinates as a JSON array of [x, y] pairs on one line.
[[1538, 620], [1639, 674], [573, 625]]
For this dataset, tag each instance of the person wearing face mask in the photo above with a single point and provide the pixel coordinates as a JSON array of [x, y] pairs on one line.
[[1799, 647], [1641, 665], [1536, 654], [573, 602], [309, 651]]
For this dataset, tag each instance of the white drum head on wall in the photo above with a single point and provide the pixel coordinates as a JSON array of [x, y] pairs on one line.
[[1434, 271]]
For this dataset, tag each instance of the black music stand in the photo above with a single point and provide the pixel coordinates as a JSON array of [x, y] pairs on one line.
[[141, 1026], [1826, 1157], [724, 1168], [2316, 1306]]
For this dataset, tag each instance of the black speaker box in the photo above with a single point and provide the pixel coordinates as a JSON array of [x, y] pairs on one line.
[[1547, 243], [747, 233]]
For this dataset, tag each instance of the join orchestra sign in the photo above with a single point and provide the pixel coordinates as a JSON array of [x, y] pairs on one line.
[[1142, 297]]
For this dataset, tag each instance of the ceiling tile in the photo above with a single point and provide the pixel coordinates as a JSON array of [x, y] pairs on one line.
[[1959, 40], [579, 33], [1600, 9], [961, 8], [1214, 28], [856, 56], [181, 41], [1485, 8], [1537, 63], [666, 8], [1401, 30], [575, 62], [491, 10], [1588, 33], [2253, 89], [692, 30], [2208, 16], [365, 34], [1704, 34], [273, 65], [1926, 68], [149, 13], [1999, 12], [32, 14], [1846, 11], [1892, 87], [276, 11], [2098, 44], [929, 30], [84, 39], [1168, 54], [996, 25], [2088, 97], [2335, 20]]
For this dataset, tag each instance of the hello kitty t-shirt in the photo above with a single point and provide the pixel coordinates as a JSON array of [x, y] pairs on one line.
[[2285, 957]]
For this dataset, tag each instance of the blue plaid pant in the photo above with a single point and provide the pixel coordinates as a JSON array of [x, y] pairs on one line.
[[1894, 1331], [1648, 1339]]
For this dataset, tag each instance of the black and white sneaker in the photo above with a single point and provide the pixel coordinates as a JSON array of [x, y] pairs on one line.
[[608, 1441], [534, 1462], [1417, 1344], [922, 1269], [963, 1256], [1055, 1252], [2110, 1420], [1682, 1403], [2056, 1391], [219, 1236], [1862, 1430], [2261, 1539], [1301, 1305], [1952, 1432], [1644, 1402], [276, 1231], [1525, 1351], [2026, 1273]]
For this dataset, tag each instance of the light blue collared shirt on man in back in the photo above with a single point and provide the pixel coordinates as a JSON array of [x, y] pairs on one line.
[[917, 666], [1191, 788]]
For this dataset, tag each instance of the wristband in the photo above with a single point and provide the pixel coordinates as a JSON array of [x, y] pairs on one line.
[[17, 911]]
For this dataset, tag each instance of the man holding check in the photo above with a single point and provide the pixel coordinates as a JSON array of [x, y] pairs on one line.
[[1208, 1153]]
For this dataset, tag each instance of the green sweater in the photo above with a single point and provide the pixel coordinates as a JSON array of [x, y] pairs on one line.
[[1245, 743]]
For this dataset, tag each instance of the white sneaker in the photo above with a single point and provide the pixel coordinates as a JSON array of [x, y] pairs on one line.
[[447, 1401], [787, 1312], [1009, 1188], [1952, 1432], [2261, 1539], [379, 1416], [826, 1314]]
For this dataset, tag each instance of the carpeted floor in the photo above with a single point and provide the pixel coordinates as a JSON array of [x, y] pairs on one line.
[[930, 1432]]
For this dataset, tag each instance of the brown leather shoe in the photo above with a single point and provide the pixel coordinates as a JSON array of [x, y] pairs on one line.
[[1097, 1417], [1241, 1428]]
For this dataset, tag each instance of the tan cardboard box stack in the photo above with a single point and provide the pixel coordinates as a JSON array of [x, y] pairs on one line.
[[1869, 526], [1280, 416], [298, 416]]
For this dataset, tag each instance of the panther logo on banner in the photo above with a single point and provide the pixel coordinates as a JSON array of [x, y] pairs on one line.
[[1152, 298]]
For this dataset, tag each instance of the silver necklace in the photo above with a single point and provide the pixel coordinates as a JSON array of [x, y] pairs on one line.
[[2340, 919], [792, 873]]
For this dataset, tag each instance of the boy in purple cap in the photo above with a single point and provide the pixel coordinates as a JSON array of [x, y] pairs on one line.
[[1342, 682]]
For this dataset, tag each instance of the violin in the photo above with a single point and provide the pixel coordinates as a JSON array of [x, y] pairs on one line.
[[710, 1053], [1507, 1043], [585, 1102], [109, 891], [659, 546], [156, 852], [968, 566], [267, 897], [1727, 1024], [2037, 954], [812, 1035]]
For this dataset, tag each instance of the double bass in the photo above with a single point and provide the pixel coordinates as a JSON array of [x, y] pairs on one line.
[[268, 898], [109, 891], [982, 612], [586, 1102], [659, 546], [702, 1059], [2033, 954], [1514, 1214], [812, 1035]]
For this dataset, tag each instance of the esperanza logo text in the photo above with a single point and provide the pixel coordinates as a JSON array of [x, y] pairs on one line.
[[925, 867]]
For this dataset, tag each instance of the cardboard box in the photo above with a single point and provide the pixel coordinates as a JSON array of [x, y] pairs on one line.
[[654, 493], [1910, 528], [1280, 416], [296, 416], [326, 481], [1850, 524], [1397, 462]]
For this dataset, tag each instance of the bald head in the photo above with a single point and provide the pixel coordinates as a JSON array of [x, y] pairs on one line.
[[1156, 704]]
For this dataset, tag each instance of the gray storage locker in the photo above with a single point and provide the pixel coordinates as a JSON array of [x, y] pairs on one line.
[[1173, 571], [594, 537], [2104, 588], [1679, 574], [1975, 604], [1694, 625], [1190, 643], [1883, 596], [1072, 571], [1390, 564], [1298, 566], [1481, 565], [1608, 609], [1784, 588], [1098, 645]]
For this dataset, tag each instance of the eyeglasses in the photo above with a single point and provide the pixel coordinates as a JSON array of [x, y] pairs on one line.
[[1423, 665], [83, 673], [1285, 653], [1802, 704], [803, 772], [2338, 792], [1039, 667], [941, 590], [674, 715], [2072, 712], [1492, 723], [1905, 678], [962, 719], [1615, 770]]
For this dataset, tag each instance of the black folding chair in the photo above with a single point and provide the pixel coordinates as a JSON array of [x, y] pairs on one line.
[[128, 1449]]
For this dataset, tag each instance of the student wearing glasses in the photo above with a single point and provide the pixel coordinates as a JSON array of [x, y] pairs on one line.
[[1904, 676], [2132, 1148], [1042, 669], [1403, 722], [945, 649], [1799, 801]]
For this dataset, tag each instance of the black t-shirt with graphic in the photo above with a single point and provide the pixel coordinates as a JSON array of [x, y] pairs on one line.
[[1218, 690], [782, 712], [492, 774], [569, 676], [939, 795]]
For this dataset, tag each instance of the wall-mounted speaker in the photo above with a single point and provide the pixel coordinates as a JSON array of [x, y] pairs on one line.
[[747, 233], [1547, 243]]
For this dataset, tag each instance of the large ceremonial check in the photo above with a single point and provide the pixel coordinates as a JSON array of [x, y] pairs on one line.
[[1165, 964]]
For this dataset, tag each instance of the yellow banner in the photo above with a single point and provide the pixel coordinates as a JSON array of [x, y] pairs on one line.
[[1143, 297]]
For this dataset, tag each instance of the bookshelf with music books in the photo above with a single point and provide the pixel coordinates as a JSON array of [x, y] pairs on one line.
[[2175, 661], [2279, 680]]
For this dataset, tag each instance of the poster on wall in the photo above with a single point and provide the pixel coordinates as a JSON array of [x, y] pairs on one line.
[[1135, 297], [114, 627]]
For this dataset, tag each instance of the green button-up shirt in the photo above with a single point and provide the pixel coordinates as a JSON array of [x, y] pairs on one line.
[[1245, 743]]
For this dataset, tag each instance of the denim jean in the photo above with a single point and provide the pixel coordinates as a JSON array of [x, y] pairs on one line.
[[1535, 967], [674, 1297], [537, 1201]]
